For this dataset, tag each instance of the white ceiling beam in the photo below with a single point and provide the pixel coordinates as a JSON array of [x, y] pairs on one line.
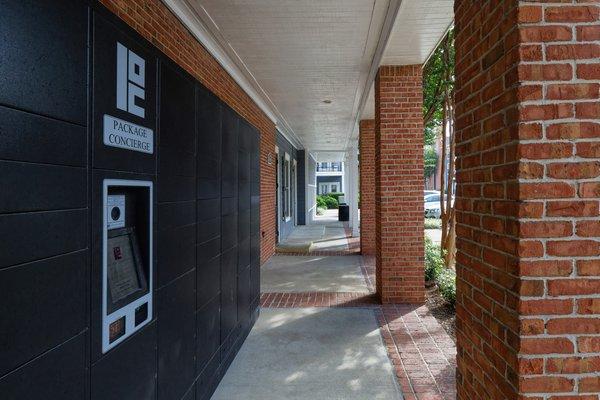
[[386, 31]]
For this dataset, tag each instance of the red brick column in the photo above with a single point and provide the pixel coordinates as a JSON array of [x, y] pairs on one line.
[[399, 184], [367, 186], [528, 191]]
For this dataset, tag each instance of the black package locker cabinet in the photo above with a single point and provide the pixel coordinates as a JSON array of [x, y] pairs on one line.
[[177, 232], [130, 184], [44, 201], [123, 96]]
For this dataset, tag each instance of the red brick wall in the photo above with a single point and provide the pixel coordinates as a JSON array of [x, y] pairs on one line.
[[528, 199], [487, 232], [155, 22], [399, 184], [367, 186], [563, 315]]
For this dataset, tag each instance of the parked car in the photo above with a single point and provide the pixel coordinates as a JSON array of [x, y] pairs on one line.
[[432, 205]]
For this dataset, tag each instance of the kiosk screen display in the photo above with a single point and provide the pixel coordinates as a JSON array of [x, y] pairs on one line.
[[124, 265]]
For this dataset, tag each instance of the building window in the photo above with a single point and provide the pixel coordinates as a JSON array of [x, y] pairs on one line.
[[334, 188], [285, 187], [329, 167], [323, 188]]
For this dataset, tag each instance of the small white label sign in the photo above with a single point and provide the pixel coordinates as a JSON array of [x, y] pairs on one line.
[[127, 135]]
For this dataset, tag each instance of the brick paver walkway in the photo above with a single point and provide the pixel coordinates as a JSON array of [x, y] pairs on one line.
[[318, 299], [423, 354]]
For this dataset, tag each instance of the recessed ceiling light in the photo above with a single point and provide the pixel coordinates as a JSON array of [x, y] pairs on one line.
[[327, 101]]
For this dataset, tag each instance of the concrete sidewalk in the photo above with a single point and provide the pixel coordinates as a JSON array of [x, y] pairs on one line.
[[311, 353], [313, 274], [434, 234], [326, 233]]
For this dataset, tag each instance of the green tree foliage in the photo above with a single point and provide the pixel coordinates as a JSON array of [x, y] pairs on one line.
[[438, 115], [431, 133], [434, 85], [430, 158]]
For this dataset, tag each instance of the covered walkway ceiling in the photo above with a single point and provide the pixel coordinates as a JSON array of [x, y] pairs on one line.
[[310, 64]]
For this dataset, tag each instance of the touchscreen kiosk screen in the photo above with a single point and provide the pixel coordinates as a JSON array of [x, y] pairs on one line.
[[123, 276]]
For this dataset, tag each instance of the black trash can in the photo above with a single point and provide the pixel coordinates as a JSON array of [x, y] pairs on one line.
[[344, 212]]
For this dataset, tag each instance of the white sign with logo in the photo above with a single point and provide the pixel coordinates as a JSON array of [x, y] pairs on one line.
[[131, 83]]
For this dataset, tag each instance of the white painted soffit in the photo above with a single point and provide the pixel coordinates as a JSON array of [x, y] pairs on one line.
[[312, 59], [363, 95], [419, 27], [328, 156], [230, 61]]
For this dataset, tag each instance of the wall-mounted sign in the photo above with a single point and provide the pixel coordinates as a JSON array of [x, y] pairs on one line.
[[131, 80], [130, 94], [127, 135]]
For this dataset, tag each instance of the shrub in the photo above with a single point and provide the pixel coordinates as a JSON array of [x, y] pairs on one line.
[[320, 210], [327, 201], [446, 281], [436, 271], [332, 202], [336, 196], [321, 203], [433, 223], [434, 263]]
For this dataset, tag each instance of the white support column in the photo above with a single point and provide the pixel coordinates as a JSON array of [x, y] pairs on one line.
[[353, 184], [343, 183], [346, 179], [310, 175], [347, 188]]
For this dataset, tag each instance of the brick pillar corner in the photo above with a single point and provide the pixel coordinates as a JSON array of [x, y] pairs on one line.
[[367, 186], [399, 184], [528, 199]]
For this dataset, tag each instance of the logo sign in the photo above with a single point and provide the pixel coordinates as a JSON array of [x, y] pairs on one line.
[[130, 86], [130, 80]]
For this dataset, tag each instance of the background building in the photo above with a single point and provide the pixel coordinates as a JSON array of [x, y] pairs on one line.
[[330, 177]]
